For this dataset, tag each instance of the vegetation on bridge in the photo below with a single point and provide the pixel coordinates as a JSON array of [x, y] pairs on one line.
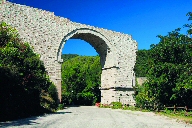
[[25, 88]]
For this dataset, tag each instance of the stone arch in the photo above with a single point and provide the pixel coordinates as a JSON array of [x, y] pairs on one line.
[[102, 46], [97, 40]]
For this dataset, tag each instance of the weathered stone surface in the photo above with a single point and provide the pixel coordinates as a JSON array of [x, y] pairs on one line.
[[48, 33]]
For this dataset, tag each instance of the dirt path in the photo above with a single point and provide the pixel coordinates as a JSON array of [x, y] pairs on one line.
[[93, 117]]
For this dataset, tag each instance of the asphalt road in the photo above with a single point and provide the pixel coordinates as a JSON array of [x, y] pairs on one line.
[[93, 117]]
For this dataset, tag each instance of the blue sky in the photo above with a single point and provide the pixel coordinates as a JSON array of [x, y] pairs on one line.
[[143, 19]]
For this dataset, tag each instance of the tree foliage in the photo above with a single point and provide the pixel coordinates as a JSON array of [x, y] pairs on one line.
[[170, 73], [81, 80], [142, 63], [24, 84]]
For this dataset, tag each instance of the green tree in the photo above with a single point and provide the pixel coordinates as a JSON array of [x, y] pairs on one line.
[[170, 73], [81, 80], [142, 63]]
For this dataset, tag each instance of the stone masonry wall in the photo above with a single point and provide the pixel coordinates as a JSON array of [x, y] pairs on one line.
[[47, 34]]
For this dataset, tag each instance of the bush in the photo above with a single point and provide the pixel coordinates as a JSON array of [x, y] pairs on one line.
[[60, 107], [25, 88], [116, 105], [52, 90]]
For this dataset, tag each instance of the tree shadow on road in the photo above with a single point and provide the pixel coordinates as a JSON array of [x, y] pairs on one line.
[[71, 106], [28, 121], [20, 122], [61, 112]]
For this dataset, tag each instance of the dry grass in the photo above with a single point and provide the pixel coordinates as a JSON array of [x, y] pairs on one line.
[[180, 116]]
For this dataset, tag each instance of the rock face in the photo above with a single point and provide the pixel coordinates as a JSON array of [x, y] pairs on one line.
[[47, 34]]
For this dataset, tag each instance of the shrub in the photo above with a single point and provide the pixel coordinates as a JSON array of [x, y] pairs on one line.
[[116, 105], [25, 88], [60, 106]]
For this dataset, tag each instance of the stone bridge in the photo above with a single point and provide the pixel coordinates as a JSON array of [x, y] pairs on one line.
[[47, 34]]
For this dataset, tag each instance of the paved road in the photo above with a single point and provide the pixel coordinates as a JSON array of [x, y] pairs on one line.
[[93, 117]]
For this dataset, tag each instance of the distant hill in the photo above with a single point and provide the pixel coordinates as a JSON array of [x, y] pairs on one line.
[[66, 57]]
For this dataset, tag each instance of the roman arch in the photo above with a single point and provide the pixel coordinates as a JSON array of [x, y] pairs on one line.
[[48, 33]]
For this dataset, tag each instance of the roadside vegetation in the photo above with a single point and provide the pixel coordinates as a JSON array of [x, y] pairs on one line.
[[180, 115], [168, 68], [169, 76], [25, 88]]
